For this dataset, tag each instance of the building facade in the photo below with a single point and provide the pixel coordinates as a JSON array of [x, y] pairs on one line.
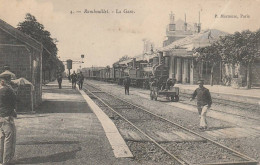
[[23, 55], [179, 29], [183, 66]]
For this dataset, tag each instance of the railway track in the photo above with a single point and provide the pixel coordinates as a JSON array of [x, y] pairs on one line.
[[242, 107], [135, 118]]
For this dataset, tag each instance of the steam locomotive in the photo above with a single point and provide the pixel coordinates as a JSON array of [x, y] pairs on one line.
[[140, 69]]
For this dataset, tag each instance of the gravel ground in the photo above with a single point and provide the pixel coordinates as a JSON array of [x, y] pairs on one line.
[[148, 153], [144, 152], [251, 147], [201, 152]]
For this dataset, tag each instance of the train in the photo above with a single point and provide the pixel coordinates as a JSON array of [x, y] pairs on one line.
[[141, 69]]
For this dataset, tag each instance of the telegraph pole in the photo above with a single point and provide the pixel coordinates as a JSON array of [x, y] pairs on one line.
[[82, 57]]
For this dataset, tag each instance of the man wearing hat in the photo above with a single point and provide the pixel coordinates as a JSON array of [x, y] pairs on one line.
[[59, 79], [203, 102], [73, 79], [127, 82], [80, 79], [7, 126]]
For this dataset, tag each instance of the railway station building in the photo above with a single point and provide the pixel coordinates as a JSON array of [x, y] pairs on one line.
[[182, 39], [182, 65], [23, 55]]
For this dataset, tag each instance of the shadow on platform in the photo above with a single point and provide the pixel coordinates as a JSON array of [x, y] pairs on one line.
[[47, 142], [57, 157], [64, 90], [63, 107]]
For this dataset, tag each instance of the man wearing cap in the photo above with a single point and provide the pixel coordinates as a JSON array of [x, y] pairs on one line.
[[127, 82], [74, 79], [203, 102], [7, 126], [80, 79], [59, 79]]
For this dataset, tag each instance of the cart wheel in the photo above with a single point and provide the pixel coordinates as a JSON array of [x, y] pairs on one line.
[[172, 98], [156, 95], [176, 98], [151, 96]]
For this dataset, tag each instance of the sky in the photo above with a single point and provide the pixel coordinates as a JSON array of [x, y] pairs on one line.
[[104, 38]]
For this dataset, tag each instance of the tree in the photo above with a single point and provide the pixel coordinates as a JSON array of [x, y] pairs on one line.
[[34, 29], [211, 55], [241, 48]]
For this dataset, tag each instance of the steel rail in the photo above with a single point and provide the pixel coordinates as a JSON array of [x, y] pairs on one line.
[[183, 162], [249, 160], [230, 163]]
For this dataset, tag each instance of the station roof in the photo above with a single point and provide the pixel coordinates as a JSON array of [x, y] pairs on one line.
[[26, 39], [202, 39]]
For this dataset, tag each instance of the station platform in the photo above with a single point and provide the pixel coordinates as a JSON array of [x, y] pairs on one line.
[[63, 130]]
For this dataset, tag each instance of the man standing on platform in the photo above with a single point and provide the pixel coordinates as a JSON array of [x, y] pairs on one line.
[[7, 126], [73, 77], [59, 79], [203, 103], [127, 82], [80, 80]]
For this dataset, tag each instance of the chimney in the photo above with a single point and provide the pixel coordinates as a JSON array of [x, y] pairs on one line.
[[195, 27], [199, 25], [155, 61], [185, 24], [160, 58], [134, 63], [172, 24], [171, 18]]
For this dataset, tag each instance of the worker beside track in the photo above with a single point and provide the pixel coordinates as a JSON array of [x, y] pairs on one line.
[[203, 103], [127, 82]]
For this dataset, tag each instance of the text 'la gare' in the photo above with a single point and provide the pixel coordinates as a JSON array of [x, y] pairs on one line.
[[118, 11]]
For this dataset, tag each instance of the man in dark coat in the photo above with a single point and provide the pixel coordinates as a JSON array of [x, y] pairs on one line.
[[59, 79], [80, 80], [127, 82], [7, 126], [73, 77], [203, 103]]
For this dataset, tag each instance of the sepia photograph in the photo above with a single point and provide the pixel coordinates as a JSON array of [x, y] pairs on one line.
[[129, 82]]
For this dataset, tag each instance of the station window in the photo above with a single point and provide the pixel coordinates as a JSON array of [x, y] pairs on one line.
[[206, 68]]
